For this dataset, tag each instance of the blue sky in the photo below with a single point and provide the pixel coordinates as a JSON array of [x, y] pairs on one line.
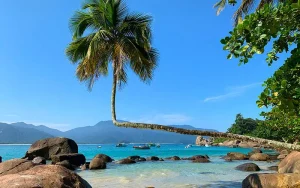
[[194, 84]]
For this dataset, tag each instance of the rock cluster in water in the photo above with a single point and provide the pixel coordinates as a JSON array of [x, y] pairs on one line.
[[288, 173], [31, 171]]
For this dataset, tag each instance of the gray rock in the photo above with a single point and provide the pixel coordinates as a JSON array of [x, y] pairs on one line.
[[97, 163], [141, 159], [134, 157], [105, 158], [126, 161], [74, 158], [249, 167], [14, 166], [290, 164], [39, 160], [174, 158], [259, 157], [200, 141], [273, 157], [153, 158], [237, 156], [195, 157], [44, 176], [51, 146], [254, 151], [272, 181], [66, 164]]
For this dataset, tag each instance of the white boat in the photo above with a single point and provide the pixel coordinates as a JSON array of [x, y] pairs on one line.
[[121, 145], [98, 146], [189, 146], [206, 145]]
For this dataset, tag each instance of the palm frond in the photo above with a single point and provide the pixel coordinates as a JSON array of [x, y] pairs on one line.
[[263, 3], [142, 60], [89, 73], [135, 23], [119, 13], [80, 22], [144, 67], [90, 4], [243, 9], [220, 6], [94, 65], [78, 49]]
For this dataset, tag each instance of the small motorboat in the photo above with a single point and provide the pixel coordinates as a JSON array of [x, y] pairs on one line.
[[119, 145], [141, 147], [206, 145], [189, 146], [151, 144], [98, 146], [158, 145]]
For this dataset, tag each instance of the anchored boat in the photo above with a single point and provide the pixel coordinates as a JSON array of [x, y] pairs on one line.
[[141, 147], [151, 144], [119, 145]]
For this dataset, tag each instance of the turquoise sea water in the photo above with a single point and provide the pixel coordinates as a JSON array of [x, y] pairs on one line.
[[157, 174]]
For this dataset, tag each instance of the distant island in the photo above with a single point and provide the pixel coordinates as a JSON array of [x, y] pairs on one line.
[[103, 132]]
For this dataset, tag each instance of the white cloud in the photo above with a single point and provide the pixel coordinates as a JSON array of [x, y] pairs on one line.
[[166, 119], [7, 122], [233, 92], [221, 97]]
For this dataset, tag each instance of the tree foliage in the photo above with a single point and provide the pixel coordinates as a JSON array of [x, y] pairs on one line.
[[105, 32], [278, 26], [243, 125], [261, 129]]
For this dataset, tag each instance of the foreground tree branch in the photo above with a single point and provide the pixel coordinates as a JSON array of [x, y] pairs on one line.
[[261, 141], [272, 143]]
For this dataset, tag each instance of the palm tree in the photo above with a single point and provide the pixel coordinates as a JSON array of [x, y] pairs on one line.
[[245, 6], [103, 33]]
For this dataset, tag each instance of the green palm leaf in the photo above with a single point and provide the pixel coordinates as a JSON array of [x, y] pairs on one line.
[[245, 7]]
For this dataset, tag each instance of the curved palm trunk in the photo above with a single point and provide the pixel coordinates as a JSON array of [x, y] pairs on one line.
[[275, 144]]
